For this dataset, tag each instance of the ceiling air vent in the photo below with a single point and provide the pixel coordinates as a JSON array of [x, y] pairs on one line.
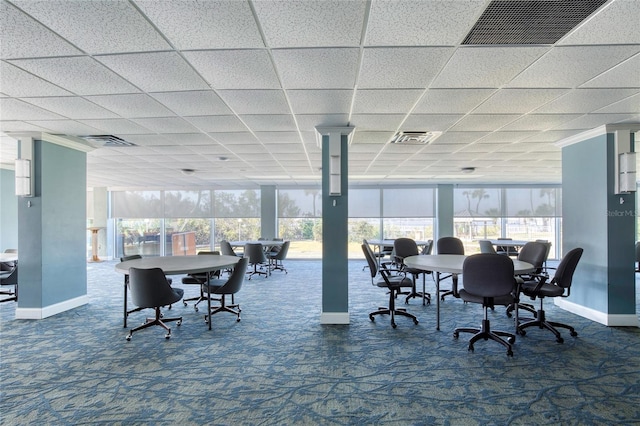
[[529, 21], [107, 140], [414, 138]]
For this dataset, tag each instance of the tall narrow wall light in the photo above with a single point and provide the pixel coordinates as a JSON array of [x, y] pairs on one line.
[[625, 163], [24, 169]]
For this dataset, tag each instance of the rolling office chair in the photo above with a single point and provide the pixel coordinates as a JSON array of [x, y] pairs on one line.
[[225, 287], [199, 279], [278, 257], [227, 250], [488, 280], [487, 247], [150, 289], [384, 251], [393, 283], [507, 250], [126, 279], [9, 277], [257, 259], [405, 247], [450, 245], [535, 253], [560, 283]]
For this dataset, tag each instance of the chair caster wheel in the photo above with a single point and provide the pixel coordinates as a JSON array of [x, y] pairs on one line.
[[195, 308], [470, 348], [574, 333], [371, 317], [509, 353], [179, 323], [509, 315], [128, 337], [456, 334], [560, 340], [167, 336], [393, 324], [511, 339], [522, 332], [184, 303], [238, 320], [416, 322]]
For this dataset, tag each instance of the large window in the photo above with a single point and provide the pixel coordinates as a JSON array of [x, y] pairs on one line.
[[300, 221], [237, 215]]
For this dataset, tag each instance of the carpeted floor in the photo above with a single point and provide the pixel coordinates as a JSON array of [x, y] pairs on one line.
[[279, 366]]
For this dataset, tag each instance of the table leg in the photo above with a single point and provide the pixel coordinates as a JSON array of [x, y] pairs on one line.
[[437, 300], [209, 297], [126, 278]]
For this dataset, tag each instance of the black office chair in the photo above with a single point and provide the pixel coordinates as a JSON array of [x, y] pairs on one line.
[[393, 283], [507, 250], [199, 279], [225, 287], [150, 289], [405, 247], [486, 247], [227, 250], [559, 286], [488, 280], [384, 251], [638, 256], [450, 245], [126, 279], [257, 259], [9, 278], [535, 253], [276, 258]]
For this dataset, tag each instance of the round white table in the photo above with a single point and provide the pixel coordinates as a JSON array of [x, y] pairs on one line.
[[451, 264], [174, 265]]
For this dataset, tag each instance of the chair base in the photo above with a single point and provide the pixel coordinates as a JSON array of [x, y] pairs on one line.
[[278, 266], [13, 295], [256, 272], [486, 333], [454, 288], [158, 320], [393, 311], [426, 297], [527, 307], [234, 308], [541, 322]]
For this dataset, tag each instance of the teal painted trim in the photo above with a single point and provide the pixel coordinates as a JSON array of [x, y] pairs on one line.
[[335, 235], [444, 211], [8, 210], [268, 211]]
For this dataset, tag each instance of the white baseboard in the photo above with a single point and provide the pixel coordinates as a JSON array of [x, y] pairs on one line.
[[48, 311], [334, 318], [612, 320]]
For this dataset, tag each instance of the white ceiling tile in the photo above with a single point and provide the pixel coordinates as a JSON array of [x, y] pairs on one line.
[[538, 122], [256, 101], [166, 125], [65, 127], [628, 105], [572, 66], [615, 23], [146, 140], [377, 122], [585, 100], [193, 102], [72, 107], [155, 72], [504, 137], [204, 25], [19, 83], [483, 122], [269, 123], [317, 68], [18, 126], [408, 67], [309, 122], [419, 23], [486, 66], [132, 106], [442, 101], [14, 109], [622, 75], [283, 148], [97, 26], [23, 37], [431, 122], [81, 75], [278, 137], [453, 137], [117, 126], [320, 101], [235, 69], [379, 101], [364, 141], [521, 101], [311, 23], [233, 138], [217, 123], [591, 121]]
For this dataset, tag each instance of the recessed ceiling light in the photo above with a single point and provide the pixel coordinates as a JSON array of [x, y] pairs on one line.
[[468, 169], [187, 172]]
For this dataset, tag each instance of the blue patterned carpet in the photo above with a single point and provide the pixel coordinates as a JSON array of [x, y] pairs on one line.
[[279, 366]]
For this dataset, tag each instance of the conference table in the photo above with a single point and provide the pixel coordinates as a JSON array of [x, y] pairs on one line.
[[451, 264], [174, 265], [387, 242], [265, 243], [509, 244]]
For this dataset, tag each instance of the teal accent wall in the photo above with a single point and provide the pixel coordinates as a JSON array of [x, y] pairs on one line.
[[593, 218], [52, 231], [8, 210], [268, 211], [335, 235], [444, 211]]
